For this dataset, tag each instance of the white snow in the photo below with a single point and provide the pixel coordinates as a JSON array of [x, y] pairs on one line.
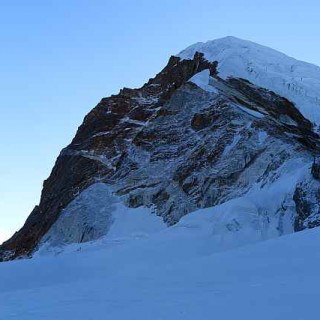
[[202, 80], [253, 113], [137, 122], [134, 223], [262, 136], [168, 276], [229, 147], [296, 80]]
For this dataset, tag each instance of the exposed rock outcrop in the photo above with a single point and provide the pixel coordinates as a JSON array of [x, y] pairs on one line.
[[315, 170]]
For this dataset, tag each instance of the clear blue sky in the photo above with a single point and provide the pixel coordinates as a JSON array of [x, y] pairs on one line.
[[59, 58]]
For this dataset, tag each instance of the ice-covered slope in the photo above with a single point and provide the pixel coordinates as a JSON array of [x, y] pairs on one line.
[[296, 80], [173, 274]]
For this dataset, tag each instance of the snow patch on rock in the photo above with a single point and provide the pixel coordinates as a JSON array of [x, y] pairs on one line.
[[202, 80]]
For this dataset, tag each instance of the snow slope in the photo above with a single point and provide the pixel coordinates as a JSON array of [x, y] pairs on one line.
[[296, 80], [97, 212], [170, 275]]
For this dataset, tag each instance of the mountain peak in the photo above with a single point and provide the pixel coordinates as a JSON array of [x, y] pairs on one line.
[[296, 80], [201, 135], [211, 47]]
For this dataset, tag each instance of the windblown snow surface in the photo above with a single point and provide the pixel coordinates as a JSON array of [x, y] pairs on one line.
[[296, 80], [181, 272]]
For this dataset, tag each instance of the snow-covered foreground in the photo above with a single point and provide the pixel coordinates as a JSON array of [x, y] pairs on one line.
[[168, 275]]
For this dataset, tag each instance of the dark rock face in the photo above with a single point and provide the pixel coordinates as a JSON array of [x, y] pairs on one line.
[[315, 169], [102, 135], [174, 146], [307, 200], [201, 121]]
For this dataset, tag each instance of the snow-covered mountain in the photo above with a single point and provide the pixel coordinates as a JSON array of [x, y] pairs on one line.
[[221, 141], [296, 80]]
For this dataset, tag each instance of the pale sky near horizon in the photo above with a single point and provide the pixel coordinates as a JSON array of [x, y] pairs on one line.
[[59, 58]]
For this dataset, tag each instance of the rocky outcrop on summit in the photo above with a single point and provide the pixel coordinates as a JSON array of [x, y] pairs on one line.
[[188, 139]]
